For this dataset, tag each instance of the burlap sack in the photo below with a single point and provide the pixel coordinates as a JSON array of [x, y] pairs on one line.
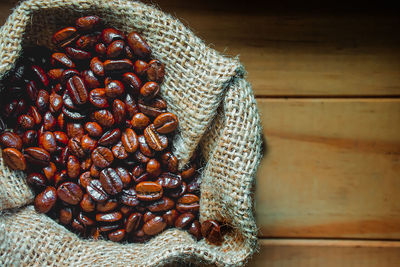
[[216, 109]]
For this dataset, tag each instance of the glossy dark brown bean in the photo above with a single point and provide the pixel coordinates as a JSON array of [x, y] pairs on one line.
[[188, 172], [188, 203], [195, 229], [95, 171], [87, 203], [37, 156], [109, 217], [40, 75], [155, 71], [94, 129], [148, 191], [56, 102], [30, 138], [77, 90], [133, 82], [117, 235], [73, 167], [117, 65], [63, 35], [147, 216], [211, 231], [153, 167], [104, 118], [10, 139], [65, 215], [73, 115], [140, 157], [88, 23], [107, 206], [130, 105], [140, 121], [129, 197], [119, 111], [149, 90], [163, 204], [119, 151], [170, 217], [152, 108], [154, 226], [109, 35], [49, 122], [70, 193], [129, 53], [170, 162], [138, 45], [67, 74], [98, 98], [84, 179], [34, 113], [75, 129], [184, 220], [96, 191], [87, 42], [129, 140], [42, 101], [141, 67], [169, 180], [75, 147], [48, 142], [144, 147], [46, 200], [37, 180], [124, 175], [111, 181], [90, 79], [26, 122], [62, 60], [179, 191], [101, 49], [60, 177], [133, 222], [114, 89], [97, 66], [32, 90], [109, 227], [67, 101], [155, 140], [85, 220], [166, 123], [50, 171], [77, 54], [102, 157], [110, 137], [88, 144], [77, 225], [115, 49]]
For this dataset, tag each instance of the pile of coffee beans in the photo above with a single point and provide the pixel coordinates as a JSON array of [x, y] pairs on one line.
[[94, 136]]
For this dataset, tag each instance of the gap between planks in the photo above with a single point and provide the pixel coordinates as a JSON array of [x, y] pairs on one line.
[[329, 242]]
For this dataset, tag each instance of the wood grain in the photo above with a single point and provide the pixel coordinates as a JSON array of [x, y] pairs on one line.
[[327, 253], [331, 168]]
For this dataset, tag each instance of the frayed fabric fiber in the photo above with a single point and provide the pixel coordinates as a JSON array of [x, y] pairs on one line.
[[217, 112]]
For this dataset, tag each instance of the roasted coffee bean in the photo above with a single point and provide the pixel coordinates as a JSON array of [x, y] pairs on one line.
[[211, 231], [111, 181], [110, 137], [65, 215], [102, 157], [104, 118], [37, 156], [34, 113], [77, 54], [95, 171], [87, 42], [109, 227], [96, 191], [169, 180], [75, 147], [84, 179], [179, 191], [49, 122], [70, 193], [75, 129], [133, 82], [148, 216], [166, 123], [42, 101], [68, 74], [119, 111], [130, 105], [110, 34], [90, 79], [138, 45], [77, 90], [163, 204], [129, 53], [117, 235], [73, 167], [133, 222], [119, 151], [88, 23], [48, 142], [140, 157], [107, 206], [63, 35], [37, 180], [32, 90], [11, 140], [149, 90], [154, 226], [109, 217], [153, 167], [97, 66], [129, 197], [94, 129], [50, 171], [124, 175], [98, 98], [189, 172], [170, 162], [56, 102], [68, 102], [170, 217], [62, 60], [101, 49], [195, 229], [117, 65], [115, 49], [152, 108], [29, 138], [40, 75], [188, 203], [144, 147], [141, 67], [85, 220], [184, 220], [26, 122], [88, 144], [140, 121], [73, 115], [114, 89], [148, 191], [155, 140], [77, 226], [46, 200], [155, 71], [129, 140], [87, 203]]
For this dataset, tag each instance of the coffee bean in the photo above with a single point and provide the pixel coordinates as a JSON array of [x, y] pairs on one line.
[[189, 172], [110, 34], [138, 45], [37, 156], [119, 111], [96, 191], [166, 123], [170, 217], [119, 151], [85, 220], [110, 137], [115, 49], [149, 90], [170, 162], [124, 175], [48, 142], [155, 71], [62, 60], [77, 226], [129, 197], [73, 115], [109, 227], [77, 54], [60, 177], [37, 180], [102, 157], [101, 49], [117, 65], [94, 129], [50, 171], [114, 89], [148, 191], [63, 35], [155, 140], [87, 42], [68, 102], [40, 75], [75, 129], [65, 215], [90, 79], [95, 171], [84, 179], [77, 90], [42, 101], [184, 220], [153, 167], [49, 122], [26, 122], [75, 147], [109, 217], [133, 82], [154, 226], [129, 140], [56, 102], [88, 144], [98, 98], [73, 167], [88, 23], [32, 90], [34, 113], [179, 191], [107, 206], [163, 204], [195, 229], [133, 222], [111, 181], [148, 216], [140, 121], [141, 67], [86, 164], [70, 193], [87, 203], [11, 140], [67, 74], [97, 66], [144, 147], [140, 157], [46, 200], [169, 180], [211, 230], [117, 235], [29, 138], [152, 108], [104, 118], [188, 203], [130, 105]]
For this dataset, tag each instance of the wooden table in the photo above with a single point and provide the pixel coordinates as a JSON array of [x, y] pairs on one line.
[[327, 81]]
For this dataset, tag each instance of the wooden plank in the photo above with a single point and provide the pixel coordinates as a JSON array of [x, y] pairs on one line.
[[331, 168], [309, 253]]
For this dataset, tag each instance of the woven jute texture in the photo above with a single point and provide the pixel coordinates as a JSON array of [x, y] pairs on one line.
[[217, 112]]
